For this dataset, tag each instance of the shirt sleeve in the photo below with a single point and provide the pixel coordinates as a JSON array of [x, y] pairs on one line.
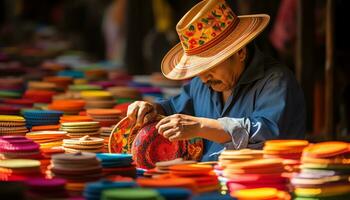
[[181, 103], [269, 118]]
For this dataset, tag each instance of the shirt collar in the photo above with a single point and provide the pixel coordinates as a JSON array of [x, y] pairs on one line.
[[255, 68]]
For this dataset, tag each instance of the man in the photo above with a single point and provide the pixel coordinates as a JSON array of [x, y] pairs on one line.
[[239, 97]]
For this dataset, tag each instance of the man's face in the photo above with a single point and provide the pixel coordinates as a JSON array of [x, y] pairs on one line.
[[225, 75]]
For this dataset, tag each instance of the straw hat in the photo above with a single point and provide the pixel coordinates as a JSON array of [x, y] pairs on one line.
[[209, 33]]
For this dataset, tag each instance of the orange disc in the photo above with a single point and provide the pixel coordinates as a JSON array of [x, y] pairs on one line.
[[167, 182], [46, 128], [75, 118], [192, 167], [103, 112], [327, 149], [260, 163]]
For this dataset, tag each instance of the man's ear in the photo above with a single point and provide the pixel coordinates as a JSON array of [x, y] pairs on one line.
[[242, 54]]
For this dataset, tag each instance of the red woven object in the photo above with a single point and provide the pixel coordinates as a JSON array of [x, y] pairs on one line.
[[149, 147]]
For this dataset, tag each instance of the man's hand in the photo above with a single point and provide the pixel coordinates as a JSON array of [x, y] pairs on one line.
[[141, 112], [179, 127]]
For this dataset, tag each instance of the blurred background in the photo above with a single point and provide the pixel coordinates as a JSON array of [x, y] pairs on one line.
[[132, 36]]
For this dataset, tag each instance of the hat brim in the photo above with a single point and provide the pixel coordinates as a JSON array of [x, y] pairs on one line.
[[176, 65]]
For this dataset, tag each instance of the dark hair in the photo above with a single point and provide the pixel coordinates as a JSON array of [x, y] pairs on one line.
[[250, 52]]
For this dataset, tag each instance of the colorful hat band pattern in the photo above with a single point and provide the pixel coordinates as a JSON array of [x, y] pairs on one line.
[[207, 31]]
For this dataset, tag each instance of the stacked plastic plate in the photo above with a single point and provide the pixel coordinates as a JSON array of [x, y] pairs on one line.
[[288, 150], [39, 96], [131, 194], [47, 139], [325, 172], [105, 133], [106, 117], [83, 144], [40, 188], [168, 182], [203, 175], [230, 157], [19, 169], [164, 167], [256, 174], [117, 164], [68, 107], [261, 194], [78, 169], [18, 147], [98, 99], [60, 81], [80, 129], [12, 125], [75, 118], [41, 117], [93, 191]]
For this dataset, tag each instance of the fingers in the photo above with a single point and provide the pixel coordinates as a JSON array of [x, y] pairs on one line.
[[163, 121], [143, 110], [168, 133], [176, 136], [132, 112], [149, 117]]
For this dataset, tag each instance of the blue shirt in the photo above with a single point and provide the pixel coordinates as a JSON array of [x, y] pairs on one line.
[[266, 103]]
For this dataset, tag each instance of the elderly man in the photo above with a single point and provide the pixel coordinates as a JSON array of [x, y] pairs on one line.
[[238, 98]]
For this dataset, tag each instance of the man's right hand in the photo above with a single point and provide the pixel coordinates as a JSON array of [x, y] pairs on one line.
[[141, 112]]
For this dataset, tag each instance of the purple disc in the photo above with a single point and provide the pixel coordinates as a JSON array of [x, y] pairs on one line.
[[43, 183]]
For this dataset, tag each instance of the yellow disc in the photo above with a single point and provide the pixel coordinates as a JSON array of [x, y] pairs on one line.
[[322, 192], [256, 193], [11, 118], [95, 94]]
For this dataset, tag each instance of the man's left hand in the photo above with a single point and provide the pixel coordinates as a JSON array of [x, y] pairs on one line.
[[179, 127]]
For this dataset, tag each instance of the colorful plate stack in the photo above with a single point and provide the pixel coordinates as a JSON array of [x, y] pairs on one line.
[[93, 191], [47, 139], [40, 188], [98, 99], [83, 87], [325, 172], [12, 125], [39, 96], [41, 117], [46, 157], [19, 169], [168, 182], [78, 169], [60, 81], [18, 147], [149, 147], [125, 94], [80, 129], [285, 149], [83, 144], [123, 108], [261, 194], [117, 164], [69, 107], [21, 103], [131, 194], [54, 127], [203, 175], [75, 118], [105, 133], [256, 174], [230, 157], [164, 167], [106, 117]]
